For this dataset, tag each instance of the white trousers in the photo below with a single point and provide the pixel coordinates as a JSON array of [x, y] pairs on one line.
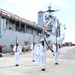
[[17, 58], [42, 61], [33, 55], [56, 57], [37, 59]]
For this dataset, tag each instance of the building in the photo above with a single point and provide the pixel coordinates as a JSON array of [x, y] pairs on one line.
[[13, 28]]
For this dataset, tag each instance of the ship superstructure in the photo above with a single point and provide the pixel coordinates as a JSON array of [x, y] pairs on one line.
[[54, 29]]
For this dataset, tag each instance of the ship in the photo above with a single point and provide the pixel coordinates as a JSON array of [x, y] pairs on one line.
[[15, 28]]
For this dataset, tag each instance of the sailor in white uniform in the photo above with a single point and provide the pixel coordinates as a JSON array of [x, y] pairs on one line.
[[56, 53], [42, 55], [33, 52], [37, 53], [17, 50]]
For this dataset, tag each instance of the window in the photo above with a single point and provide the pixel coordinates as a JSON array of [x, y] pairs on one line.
[[29, 29]]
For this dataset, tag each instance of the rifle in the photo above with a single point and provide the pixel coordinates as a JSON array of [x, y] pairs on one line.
[[48, 45]]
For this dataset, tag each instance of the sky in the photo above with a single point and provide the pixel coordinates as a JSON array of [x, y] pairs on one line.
[[28, 9]]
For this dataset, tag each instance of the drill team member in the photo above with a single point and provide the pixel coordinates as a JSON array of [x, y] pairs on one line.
[[37, 53], [17, 50], [42, 55], [33, 52], [56, 52]]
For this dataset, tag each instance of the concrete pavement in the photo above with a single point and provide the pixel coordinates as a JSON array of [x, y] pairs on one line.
[[27, 67]]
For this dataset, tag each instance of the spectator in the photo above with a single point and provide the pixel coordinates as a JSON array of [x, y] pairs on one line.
[[1, 50]]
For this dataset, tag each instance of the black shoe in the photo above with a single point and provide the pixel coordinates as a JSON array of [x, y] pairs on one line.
[[56, 63], [33, 60], [1, 55], [43, 69], [17, 65]]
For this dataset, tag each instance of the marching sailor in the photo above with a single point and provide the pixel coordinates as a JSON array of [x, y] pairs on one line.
[[42, 54], [17, 50], [56, 52], [33, 52], [37, 53]]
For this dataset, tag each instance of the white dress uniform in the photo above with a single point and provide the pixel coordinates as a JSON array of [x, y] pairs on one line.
[[17, 51], [42, 56], [33, 52], [56, 53], [37, 53]]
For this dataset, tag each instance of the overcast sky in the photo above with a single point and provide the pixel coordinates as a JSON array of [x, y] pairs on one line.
[[28, 9]]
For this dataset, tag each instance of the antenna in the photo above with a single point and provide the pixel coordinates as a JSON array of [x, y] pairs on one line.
[[50, 10]]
